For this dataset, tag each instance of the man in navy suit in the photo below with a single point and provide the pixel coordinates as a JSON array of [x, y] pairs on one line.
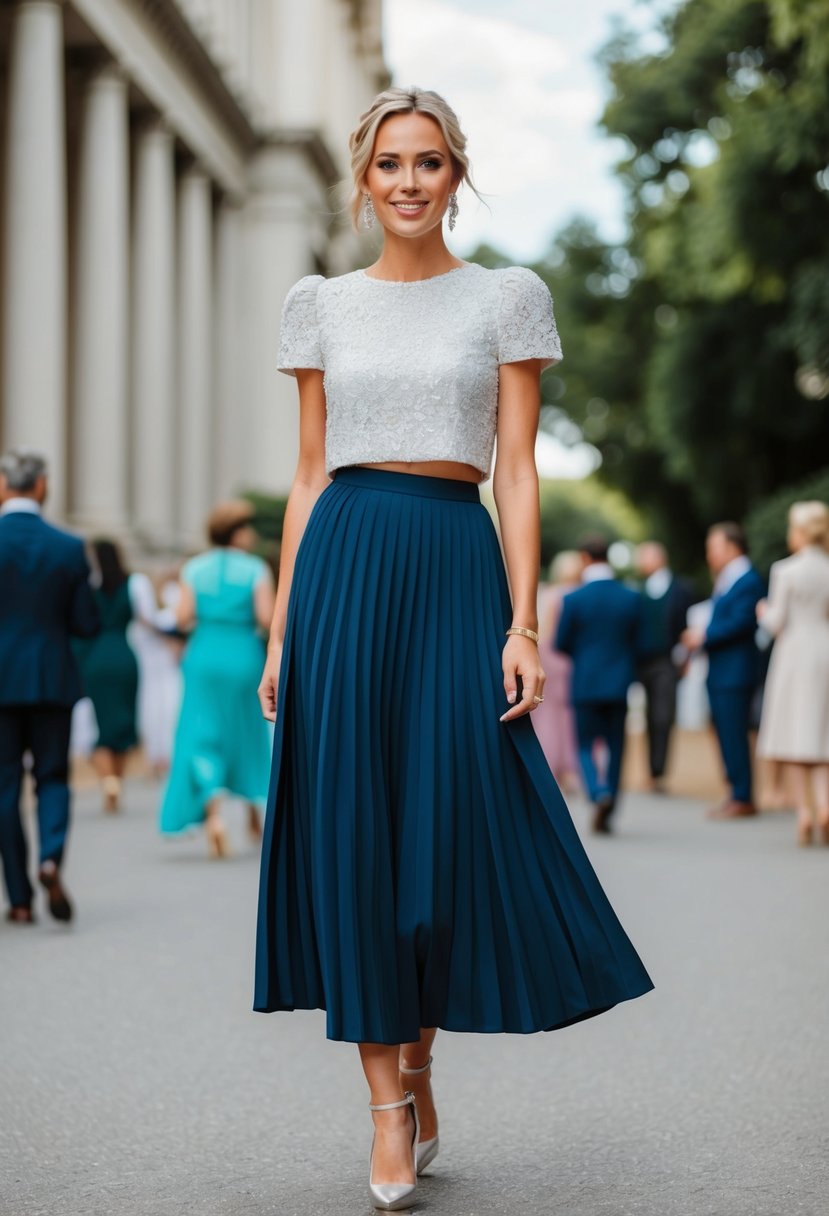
[[46, 599], [601, 629], [733, 658], [667, 599]]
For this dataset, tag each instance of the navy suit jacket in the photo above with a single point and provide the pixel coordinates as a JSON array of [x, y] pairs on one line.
[[601, 628], [733, 657], [45, 598]]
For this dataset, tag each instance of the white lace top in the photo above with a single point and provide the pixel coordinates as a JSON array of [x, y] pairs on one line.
[[411, 369]]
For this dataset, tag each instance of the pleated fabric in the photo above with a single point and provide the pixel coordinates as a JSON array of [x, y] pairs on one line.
[[419, 865]]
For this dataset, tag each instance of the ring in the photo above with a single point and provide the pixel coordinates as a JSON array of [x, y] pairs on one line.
[[538, 700]]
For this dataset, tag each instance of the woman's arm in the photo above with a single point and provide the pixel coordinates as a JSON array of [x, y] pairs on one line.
[[772, 613], [310, 479], [185, 612], [515, 486], [264, 601]]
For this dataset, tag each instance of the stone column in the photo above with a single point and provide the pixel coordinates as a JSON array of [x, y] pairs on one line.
[[33, 345], [153, 324], [284, 224], [100, 372], [231, 411], [195, 446]]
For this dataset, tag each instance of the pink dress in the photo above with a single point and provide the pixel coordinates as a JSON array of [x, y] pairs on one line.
[[553, 720]]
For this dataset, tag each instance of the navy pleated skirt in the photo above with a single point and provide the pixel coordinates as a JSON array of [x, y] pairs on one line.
[[419, 866]]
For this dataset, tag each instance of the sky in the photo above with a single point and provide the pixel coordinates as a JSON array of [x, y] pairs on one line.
[[522, 78]]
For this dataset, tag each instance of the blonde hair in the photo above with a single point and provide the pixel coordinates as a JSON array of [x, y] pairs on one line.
[[403, 101], [812, 518], [566, 567]]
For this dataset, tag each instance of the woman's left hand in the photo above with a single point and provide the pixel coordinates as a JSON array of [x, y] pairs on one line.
[[520, 658]]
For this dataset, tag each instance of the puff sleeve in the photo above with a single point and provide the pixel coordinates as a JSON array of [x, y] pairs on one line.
[[526, 324], [299, 333]]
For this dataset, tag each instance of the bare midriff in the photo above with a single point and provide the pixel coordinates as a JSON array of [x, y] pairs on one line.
[[431, 468]]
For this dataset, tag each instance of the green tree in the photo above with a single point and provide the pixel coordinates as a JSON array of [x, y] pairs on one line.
[[728, 133]]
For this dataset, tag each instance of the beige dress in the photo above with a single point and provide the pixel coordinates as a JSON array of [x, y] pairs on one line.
[[795, 720]]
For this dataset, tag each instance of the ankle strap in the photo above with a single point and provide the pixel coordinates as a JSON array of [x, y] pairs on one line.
[[407, 1101], [412, 1072]]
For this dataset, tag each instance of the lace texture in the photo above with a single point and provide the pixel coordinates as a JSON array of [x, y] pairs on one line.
[[411, 369]]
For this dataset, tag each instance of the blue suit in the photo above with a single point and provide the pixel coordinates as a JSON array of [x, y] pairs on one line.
[[733, 672], [601, 628], [45, 600]]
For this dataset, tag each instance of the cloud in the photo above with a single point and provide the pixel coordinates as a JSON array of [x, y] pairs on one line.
[[528, 103]]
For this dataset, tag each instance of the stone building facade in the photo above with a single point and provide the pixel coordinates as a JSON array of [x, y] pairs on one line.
[[167, 169]]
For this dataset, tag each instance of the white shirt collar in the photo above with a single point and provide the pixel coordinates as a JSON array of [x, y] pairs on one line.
[[27, 505], [657, 584], [730, 574], [596, 571]]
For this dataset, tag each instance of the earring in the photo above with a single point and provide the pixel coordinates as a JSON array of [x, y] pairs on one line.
[[453, 210], [369, 214]]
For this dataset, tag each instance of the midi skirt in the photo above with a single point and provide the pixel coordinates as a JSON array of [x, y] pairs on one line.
[[419, 867]]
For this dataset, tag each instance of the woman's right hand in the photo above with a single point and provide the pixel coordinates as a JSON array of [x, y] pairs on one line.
[[270, 679]]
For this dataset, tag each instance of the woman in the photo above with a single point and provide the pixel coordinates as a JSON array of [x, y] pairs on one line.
[[159, 676], [419, 866], [222, 744], [553, 720], [110, 672], [795, 723]]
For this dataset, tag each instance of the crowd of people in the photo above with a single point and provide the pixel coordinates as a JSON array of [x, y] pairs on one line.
[[97, 659], [602, 636]]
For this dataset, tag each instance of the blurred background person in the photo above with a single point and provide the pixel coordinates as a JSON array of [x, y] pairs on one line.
[[46, 599], [733, 657], [553, 720], [159, 675], [667, 599], [601, 629], [222, 744], [794, 728], [110, 672]]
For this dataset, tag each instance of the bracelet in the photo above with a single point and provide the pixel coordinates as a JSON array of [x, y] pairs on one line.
[[524, 633]]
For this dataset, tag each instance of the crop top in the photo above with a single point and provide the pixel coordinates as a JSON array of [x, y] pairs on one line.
[[411, 368]]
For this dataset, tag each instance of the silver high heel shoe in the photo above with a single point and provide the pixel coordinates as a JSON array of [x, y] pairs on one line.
[[392, 1196], [427, 1150]]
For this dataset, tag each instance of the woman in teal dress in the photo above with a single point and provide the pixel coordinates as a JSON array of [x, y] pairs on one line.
[[222, 744], [110, 672]]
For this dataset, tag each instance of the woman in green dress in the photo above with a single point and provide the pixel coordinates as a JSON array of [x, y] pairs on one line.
[[222, 744], [110, 672]]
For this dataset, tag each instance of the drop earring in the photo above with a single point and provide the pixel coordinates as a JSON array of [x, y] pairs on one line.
[[453, 210], [369, 214]]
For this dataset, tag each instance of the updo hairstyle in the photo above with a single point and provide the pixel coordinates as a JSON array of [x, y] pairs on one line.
[[812, 519], [225, 520], [403, 101]]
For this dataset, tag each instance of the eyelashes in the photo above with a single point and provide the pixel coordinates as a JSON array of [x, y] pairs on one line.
[[434, 164]]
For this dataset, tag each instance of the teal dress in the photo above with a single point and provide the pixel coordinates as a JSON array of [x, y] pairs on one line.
[[222, 743], [110, 671]]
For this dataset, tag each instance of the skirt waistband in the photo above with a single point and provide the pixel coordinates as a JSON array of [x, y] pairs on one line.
[[408, 483]]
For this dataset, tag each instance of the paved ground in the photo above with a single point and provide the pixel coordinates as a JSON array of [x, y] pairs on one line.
[[134, 1080]]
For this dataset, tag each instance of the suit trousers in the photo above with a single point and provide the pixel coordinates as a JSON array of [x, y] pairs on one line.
[[595, 721], [731, 712], [43, 730], [659, 678]]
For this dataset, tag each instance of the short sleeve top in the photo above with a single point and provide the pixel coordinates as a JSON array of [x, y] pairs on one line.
[[411, 368]]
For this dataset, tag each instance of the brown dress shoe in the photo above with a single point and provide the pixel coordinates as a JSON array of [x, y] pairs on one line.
[[21, 915], [59, 904], [602, 814], [733, 809]]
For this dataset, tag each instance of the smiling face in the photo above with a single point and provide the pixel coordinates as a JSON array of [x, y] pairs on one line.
[[411, 174]]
